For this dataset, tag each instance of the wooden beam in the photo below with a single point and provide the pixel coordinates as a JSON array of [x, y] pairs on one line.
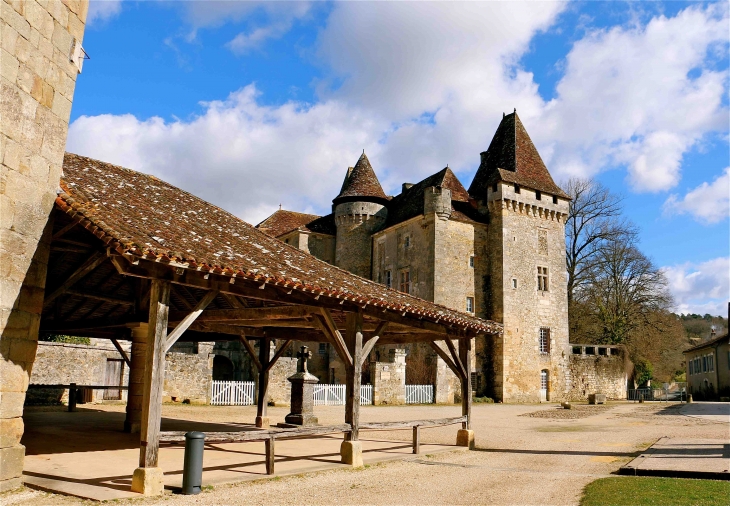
[[255, 313], [257, 435], [121, 352], [263, 398], [190, 318], [154, 373], [234, 301], [434, 422], [445, 357], [370, 344], [416, 439], [270, 455], [329, 328], [89, 265], [106, 298], [176, 291], [278, 355], [61, 232], [251, 353], [455, 357]]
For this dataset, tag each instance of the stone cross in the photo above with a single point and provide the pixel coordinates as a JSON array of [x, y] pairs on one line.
[[303, 356]]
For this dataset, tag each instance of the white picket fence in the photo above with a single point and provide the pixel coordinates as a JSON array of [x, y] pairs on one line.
[[334, 394], [233, 393], [419, 394]]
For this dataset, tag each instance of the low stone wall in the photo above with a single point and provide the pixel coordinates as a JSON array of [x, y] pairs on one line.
[[389, 379], [64, 363], [596, 373], [447, 385], [188, 376]]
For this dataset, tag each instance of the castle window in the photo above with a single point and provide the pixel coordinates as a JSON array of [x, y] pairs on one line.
[[471, 261], [538, 195], [322, 348], [555, 199], [691, 369], [387, 279], [407, 241], [704, 364], [544, 340], [470, 304], [405, 281], [495, 186], [542, 279], [514, 282], [517, 188]]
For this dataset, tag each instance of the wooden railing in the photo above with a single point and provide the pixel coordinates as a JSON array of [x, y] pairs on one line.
[[73, 388]]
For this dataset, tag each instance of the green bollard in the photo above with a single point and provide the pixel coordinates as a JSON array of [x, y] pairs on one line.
[[193, 463]]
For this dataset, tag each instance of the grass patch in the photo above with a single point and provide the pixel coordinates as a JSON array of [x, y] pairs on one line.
[[645, 491]]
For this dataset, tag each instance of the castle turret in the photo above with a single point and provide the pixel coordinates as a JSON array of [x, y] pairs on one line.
[[359, 211], [527, 279]]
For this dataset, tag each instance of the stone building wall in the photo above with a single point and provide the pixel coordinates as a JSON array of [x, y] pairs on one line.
[[356, 222], [524, 234], [188, 376], [64, 363], [389, 379], [321, 246], [598, 374], [36, 91]]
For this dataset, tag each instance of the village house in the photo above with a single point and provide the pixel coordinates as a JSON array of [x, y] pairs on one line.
[[708, 368]]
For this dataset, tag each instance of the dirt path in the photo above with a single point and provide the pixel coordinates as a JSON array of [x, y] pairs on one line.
[[544, 459]]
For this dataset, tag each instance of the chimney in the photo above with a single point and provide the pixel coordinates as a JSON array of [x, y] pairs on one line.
[[405, 187]]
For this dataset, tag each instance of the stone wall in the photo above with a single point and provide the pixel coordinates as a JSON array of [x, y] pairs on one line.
[[36, 91], [279, 386], [188, 376], [598, 373], [389, 379], [356, 221], [64, 363], [524, 234]]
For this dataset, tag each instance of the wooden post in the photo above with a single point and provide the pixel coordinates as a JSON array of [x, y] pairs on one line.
[[263, 398], [353, 341], [465, 356], [417, 439], [269, 455], [135, 392], [147, 479]]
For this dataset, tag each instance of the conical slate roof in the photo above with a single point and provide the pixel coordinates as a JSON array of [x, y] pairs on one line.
[[512, 157], [361, 182]]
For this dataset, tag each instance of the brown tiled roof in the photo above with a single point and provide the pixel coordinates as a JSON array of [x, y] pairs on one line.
[[361, 181], [512, 157], [708, 344], [409, 204], [140, 215], [283, 221]]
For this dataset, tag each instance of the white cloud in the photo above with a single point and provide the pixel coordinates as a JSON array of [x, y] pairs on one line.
[[639, 97], [244, 157], [420, 85], [101, 11], [708, 203], [280, 22], [702, 287]]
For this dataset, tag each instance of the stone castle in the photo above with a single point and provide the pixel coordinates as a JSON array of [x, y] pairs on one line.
[[496, 250]]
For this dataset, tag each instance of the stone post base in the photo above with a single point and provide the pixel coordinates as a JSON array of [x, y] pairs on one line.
[[465, 438], [148, 481], [262, 421], [351, 453], [301, 419], [11, 467]]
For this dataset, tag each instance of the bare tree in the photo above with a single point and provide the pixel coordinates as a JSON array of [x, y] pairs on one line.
[[594, 221], [624, 291]]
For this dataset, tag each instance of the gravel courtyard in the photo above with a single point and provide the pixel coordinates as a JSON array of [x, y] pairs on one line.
[[526, 454]]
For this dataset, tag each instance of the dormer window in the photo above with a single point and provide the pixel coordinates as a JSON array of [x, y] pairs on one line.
[[517, 188], [538, 195], [495, 186], [555, 199]]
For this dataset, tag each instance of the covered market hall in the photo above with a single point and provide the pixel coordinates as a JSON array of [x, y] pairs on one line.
[[134, 258]]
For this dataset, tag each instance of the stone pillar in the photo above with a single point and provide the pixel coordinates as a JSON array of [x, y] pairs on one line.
[[36, 91], [133, 420], [389, 379], [446, 380]]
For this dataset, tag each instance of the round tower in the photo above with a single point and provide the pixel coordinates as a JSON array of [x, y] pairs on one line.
[[359, 210]]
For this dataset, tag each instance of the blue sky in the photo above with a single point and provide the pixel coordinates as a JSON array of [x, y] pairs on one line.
[[224, 97]]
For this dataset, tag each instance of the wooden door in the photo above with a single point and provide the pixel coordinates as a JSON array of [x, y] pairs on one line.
[[113, 376]]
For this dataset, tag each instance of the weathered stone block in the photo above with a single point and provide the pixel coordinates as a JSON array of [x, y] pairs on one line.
[[351, 453], [11, 404], [11, 430], [8, 38], [9, 66], [61, 106], [15, 20], [15, 378], [11, 484], [11, 462], [465, 437], [61, 38], [596, 399], [148, 481]]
